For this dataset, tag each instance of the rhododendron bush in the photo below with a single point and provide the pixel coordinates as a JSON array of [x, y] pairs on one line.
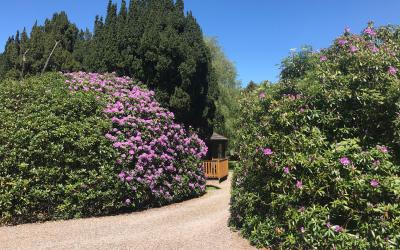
[[83, 144], [159, 158], [320, 150]]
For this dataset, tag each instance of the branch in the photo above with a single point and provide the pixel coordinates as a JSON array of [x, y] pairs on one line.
[[23, 63], [48, 59]]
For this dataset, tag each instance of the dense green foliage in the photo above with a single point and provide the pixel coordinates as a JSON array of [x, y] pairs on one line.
[[58, 159], [152, 40], [319, 150], [55, 161], [227, 104], [297, 64]]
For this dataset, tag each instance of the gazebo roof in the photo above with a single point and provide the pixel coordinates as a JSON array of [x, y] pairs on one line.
[[217, 137]]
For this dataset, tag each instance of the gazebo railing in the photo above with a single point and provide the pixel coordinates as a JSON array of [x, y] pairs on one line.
[[216, 168]]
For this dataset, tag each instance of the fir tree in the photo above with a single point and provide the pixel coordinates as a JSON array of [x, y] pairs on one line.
[[179, 5], [122, 13], [2, 66]]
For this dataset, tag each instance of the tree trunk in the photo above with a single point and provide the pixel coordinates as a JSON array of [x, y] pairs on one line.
[[48, 59]]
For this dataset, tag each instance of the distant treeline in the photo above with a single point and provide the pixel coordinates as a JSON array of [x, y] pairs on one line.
[[151, 40]]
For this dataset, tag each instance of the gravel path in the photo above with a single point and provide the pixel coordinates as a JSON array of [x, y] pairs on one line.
[[195, 224]]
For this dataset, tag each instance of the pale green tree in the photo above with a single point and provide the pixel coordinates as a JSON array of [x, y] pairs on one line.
[[225, 74]]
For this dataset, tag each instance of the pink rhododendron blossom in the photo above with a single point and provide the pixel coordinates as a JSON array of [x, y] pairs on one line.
[[374, 49], [337, 228], [370, 31], [267, 151], [344, 161], [261, 95], [111, 137], [374, 183], [353, 49], [392, 70], [323, 58], [299, 184], [122, 176], [302, 229], [342, 42], [286, 170], [383, 149]]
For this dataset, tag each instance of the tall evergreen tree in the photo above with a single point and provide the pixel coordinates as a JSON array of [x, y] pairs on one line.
[[151, 40], [157, 43], [36, 60], [81, 49], [11, 57], [2, 67], [122, 13], [111, 13], [180, 6]]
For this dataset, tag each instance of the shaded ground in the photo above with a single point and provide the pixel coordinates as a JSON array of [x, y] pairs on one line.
[[195, 224]]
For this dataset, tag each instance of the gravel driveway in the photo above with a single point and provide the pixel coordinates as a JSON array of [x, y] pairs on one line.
[[195, 224]]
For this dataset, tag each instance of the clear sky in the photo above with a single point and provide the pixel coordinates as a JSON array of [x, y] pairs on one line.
[[255, 34]]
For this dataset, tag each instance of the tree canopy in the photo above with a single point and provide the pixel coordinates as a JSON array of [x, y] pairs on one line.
[[153, 41], [228, 90]]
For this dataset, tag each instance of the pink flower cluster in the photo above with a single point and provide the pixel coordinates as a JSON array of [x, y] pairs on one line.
[[336, 228], [344, 161], [383, 149], [155, 153], [293, 97], [267, 151], [374, 183], [370, 31], [392, 70]]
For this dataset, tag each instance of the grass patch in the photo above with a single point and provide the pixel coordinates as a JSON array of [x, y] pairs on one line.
[[212, 187]]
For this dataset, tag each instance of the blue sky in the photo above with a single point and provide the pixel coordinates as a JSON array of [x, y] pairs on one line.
[[255, 34]]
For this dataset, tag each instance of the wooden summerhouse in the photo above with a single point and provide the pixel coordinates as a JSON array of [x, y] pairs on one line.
[[216, 162]]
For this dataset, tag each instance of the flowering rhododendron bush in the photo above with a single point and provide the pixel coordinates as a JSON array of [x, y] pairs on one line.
[[319, 150], [88, 144], [160, 161]]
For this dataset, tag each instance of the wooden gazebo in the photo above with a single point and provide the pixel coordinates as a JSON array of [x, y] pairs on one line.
[[216, 162]]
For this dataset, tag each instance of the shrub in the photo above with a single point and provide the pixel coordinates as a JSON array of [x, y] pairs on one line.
[[158, 157], [316, 171], [66, 151]]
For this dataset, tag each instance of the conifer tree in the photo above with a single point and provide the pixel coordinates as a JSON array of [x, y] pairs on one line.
[[122, 13], [36, 60], [111, 13], [151, 40], [2, 67], [179, 5], [11, 57]]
